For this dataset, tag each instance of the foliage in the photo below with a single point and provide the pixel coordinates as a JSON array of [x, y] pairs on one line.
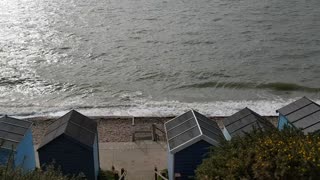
[[8, 173], [287, 154], [106, 175]]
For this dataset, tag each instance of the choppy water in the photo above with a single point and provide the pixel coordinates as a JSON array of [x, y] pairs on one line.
[[157, 57]]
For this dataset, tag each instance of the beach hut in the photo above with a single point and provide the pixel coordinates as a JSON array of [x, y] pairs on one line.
[[71, 142], [189, 137], [243, 122], [16, 143], [303, 114]]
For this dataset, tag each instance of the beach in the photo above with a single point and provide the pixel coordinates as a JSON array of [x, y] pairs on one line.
[[116, 129]]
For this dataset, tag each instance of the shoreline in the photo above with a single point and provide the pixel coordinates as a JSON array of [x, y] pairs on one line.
[[116, 128]]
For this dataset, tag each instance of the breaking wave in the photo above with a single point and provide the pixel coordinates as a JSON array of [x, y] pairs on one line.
[[276, 86]]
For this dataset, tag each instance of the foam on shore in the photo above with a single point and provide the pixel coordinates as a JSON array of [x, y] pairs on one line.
[[174, 108]]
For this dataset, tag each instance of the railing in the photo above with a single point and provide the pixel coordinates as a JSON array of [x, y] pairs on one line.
[[147, 137], [115, 173], [158, 175], [155, 133], [123, 174]]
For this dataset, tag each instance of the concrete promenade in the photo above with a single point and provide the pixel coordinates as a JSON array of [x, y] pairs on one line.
[[138, 158]]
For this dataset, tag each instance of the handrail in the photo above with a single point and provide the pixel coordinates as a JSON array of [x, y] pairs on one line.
[[159, 174], [156, 174], [155, 135], [159, 129], [137, 132], [123, 175]]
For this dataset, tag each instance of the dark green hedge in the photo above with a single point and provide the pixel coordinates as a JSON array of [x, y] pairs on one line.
[[288, 154]]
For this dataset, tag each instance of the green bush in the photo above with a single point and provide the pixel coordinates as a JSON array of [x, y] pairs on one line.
[[106, 175], [8, 173], [287, 154]]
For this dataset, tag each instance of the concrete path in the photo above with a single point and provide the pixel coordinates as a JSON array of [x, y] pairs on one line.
[[138, 158]]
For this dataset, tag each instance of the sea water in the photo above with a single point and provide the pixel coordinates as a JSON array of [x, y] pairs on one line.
[[157, 57]]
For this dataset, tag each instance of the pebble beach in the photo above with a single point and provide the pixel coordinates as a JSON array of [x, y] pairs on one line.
[[115, 129]]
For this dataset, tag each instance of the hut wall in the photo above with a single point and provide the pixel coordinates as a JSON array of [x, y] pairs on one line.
[[25, 157], [226, 134], [96, 157], [283, 121], [4, 155], [187, 160], [71, 156], [170, 165]]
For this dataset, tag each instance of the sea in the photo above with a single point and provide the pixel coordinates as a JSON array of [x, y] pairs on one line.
[[157, 57]]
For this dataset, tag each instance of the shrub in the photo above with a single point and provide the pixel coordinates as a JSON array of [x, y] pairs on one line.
[[7, 173], [106, 175], [287, 154]]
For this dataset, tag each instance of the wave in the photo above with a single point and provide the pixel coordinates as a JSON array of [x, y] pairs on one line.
[[276, 86], [149, 108], [4, 81]]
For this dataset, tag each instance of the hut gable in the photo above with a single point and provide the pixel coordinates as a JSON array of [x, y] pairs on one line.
[[189, 138], [303, 114], [72, 143], [12, 132], [74, 125], [190, 128], [244, 121], [68, 156], [16, 139]]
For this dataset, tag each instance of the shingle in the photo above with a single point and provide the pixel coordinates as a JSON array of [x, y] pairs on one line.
[[303, 112], [308, 120], [10, 136], [83, 121], [53, 126], [247, 129], [212, 134], [209, 127], [86, 138], [178, 120], [12, 128], [244, 121], [17, 122], [75, 125], [12, 131], [294, 106], [184, 137], [238, 115], [189, 126], [8, 144], [181, 128], [313, 128], [240, 123], [207, 122], [53, 134]]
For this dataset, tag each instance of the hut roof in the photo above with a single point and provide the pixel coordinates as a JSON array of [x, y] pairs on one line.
[[189, 128], [74, 125], [12, 131], [303, 113], [244, 121]]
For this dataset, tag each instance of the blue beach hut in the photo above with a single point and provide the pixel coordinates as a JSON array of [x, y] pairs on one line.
[[16, 143], [189, 137], [71, 142], [244, 121], [303, 114]]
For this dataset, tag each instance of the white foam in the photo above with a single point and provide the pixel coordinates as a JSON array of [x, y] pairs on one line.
[[174, 108]]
